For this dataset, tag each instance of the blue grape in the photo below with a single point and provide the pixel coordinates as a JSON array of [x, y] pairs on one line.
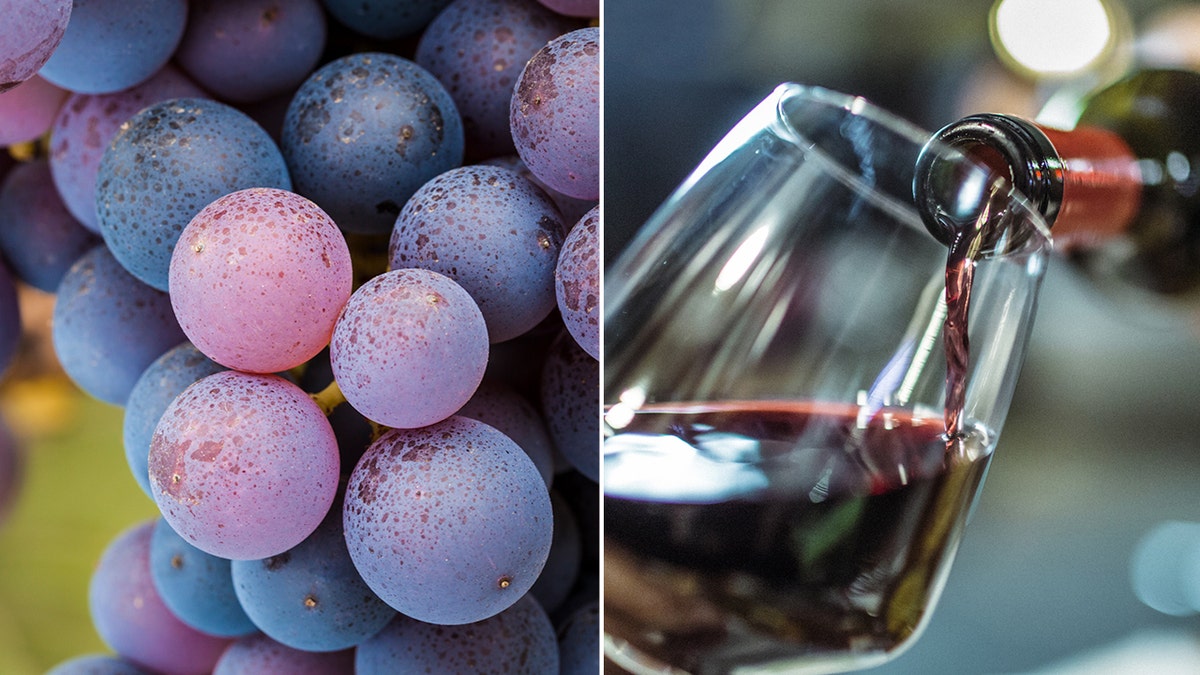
[[110, 45], [29, 34], [260, 655], [492, 231], [10, 318], [589, 8], [195, 586], [577, 283], [130, 616], [571, 404], [385, 19], [409, 349], [558, 577], [153, 392], [38, 236], [108, 327], [364, 132], [582, 494], [28, 109], [87, 123], [477, 48], [168, 162], [555, 114], [243, 466], [499, 405], [96, 664], [518, 640], [311, 597], [449, 523], [251, 51], [579, 642]]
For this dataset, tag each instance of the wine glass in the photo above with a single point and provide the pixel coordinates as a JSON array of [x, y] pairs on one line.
[[786, 472]]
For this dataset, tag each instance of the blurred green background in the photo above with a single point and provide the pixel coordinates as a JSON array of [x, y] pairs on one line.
[[75, 494]]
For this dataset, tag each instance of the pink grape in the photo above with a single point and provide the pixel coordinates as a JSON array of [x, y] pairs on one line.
[[243, 466], [448, 524], [258, 278], [28, 110], [131, 618], [86, 124], [555, 114], [29, 34], [577, 283], [409, 349]]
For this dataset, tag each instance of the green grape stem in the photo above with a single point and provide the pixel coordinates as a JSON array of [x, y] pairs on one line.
[[329, 398]]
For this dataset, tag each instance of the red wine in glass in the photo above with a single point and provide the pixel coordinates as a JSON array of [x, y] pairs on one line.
[[797, 529]]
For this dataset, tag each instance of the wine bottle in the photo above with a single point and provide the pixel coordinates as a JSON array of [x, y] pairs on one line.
[[1120, 191]]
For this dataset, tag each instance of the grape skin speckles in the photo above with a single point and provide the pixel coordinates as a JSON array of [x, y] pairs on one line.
[[450, 523], [409, 349], [555, 114], [577, 283], [495, 233], [258, 278], [243, 466]]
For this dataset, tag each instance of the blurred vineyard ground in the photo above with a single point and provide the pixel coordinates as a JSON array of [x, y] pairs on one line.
[[75, 494]]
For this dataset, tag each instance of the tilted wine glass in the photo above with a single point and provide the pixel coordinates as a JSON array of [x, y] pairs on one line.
[[786, 478]]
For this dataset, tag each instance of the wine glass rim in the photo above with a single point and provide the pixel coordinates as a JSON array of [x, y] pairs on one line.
[[863, 108]]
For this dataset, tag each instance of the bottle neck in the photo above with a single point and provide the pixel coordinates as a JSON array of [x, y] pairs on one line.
[[1085, 182]]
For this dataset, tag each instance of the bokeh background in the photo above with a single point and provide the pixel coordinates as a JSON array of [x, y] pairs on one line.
[[1103, 441]]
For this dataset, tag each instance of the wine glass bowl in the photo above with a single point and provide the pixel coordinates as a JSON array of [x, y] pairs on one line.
[[780, 488]]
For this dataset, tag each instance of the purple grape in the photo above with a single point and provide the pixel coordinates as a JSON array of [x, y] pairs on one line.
[[29, 34], [364, 132], [448, 524], [577, 283], [28, 109], [110, 45], [572, 209], [353, 431], [579, 642], [571, 405], [38, 236], [493, 232], [258, 278], [243, 466], [12, 470], [477, 48], [250, 51], [499, 405], [195, 586], [87, 123], [260, 655], [384, 19], [168, 162], [518, 640], [10, 318], [153, 392], [108, 327], [558, 577], [555, 114], [312, 597], [587, 8], [409, 349], [131, 618], [96, 664], [582, 494]]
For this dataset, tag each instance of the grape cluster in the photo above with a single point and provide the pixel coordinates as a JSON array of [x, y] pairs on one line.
[[338, 264]]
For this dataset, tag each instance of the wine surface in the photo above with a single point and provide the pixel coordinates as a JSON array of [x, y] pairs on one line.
[[753, 532]]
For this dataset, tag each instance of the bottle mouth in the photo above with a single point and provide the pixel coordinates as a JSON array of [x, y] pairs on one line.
[[1002, 154]]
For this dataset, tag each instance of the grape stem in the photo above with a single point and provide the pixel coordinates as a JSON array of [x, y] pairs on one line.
[[329, 398]]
